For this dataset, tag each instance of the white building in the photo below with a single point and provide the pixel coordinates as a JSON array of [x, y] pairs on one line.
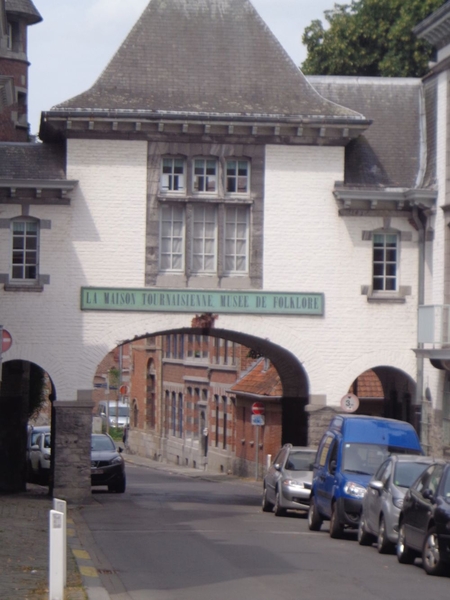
[[203, 173]]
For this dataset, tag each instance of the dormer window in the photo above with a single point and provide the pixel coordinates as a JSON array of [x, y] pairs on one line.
[[173, 177], [205, 175], [237, 176]]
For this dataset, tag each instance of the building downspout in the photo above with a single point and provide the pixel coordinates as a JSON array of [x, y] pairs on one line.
[[419, 399]]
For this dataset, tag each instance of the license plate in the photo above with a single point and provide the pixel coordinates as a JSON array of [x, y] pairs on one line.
[[97, 471]]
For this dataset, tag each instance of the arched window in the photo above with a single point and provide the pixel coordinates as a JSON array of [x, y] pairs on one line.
[[151, 394], [174, 413], [180, 415]]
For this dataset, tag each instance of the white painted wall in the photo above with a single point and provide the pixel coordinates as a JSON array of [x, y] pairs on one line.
[[100, 241]]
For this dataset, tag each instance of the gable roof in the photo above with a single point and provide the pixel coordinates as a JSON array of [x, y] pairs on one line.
[[204, 57], [261, 379]]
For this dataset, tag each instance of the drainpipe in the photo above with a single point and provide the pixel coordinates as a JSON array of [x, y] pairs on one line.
[[419, 400]]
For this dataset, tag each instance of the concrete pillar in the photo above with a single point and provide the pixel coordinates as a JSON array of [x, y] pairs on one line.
[[72, 449]]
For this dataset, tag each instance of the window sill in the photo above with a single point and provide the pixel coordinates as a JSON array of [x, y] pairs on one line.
[[207, 197], [22, 287], [386, 298]]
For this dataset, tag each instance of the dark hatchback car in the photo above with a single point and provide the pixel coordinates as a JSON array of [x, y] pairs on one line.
[[107, 465], [424, 523]]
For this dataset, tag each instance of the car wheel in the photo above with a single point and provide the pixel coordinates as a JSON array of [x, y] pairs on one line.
[[314, 519], [118, 487], [384, 545], [364, 537], [266, 505], [405, 554], [336, 528], [431, 557], [278, 510]]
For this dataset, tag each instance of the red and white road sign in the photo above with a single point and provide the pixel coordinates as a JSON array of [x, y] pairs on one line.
[[123, 390], [258, 408], [6, 340]]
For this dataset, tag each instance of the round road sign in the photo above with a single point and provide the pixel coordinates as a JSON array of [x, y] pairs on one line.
[[258, 408], [6, 340], [123, 390], [349, 403]]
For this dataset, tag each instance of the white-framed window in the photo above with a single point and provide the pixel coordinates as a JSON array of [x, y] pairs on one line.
[[204, 247], [25, 250], [385, 262], [205, 175], [236, 239], [237, 176], [446, 411], [9, 36], [173, 175], [172, 238]]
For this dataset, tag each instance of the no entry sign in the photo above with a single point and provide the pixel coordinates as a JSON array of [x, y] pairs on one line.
[[6, 340], [258, 408]]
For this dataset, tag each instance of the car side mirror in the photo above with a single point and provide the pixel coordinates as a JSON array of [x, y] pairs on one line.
[[35, 447], [428, 495], [333, 466], [376, 485], [119, 449], [277, 467], [311, 466]]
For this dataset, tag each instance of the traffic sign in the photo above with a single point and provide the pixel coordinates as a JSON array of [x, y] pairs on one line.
[[123, 390], [349, 403], [258, 408], [6, 340], [258, 420]]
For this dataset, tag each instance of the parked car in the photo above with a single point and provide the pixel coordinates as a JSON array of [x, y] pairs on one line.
[[32, 432], [384, 498], [349, 454], [40, 458], [287, 485], [107, 465], [116, 413], [424, 522]]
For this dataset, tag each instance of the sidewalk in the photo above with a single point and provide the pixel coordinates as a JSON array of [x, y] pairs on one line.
[[24, 535]]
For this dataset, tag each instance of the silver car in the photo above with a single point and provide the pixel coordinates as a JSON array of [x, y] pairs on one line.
[[383, 499], [287, 484]]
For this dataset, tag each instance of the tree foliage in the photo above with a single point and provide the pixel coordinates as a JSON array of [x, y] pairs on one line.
[[369, 38]]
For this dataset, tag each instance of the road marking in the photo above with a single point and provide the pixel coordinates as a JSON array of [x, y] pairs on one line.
[[81, 554], [88, 571]]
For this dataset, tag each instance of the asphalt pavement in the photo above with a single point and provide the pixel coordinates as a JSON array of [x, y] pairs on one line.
[[24, 541]]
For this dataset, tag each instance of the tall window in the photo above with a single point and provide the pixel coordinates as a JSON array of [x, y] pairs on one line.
[[385, 256], [180, 415], [174, 413], [172, 176], [205, 235], [446, 412], [237, 178], [236, 239], [224, 401], [217, 422], [205, 175], [172, 238], [25, 250]]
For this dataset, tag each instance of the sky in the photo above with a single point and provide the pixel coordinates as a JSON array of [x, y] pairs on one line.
[[77, 38]]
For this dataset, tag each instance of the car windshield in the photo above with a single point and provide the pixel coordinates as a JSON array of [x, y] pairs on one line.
[[47, 440], [363, 458], [300, 461], [407, 472], [123, 411], [102, 442]]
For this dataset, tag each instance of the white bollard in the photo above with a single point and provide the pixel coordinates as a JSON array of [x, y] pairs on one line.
[[61, 506], [268, 461], [56, 568]]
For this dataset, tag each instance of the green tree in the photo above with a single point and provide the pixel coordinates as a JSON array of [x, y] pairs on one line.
[[369, 38]]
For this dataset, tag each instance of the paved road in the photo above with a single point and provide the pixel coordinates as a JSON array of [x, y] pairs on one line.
[[175, 537]]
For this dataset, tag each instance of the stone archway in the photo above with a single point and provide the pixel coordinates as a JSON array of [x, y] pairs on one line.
[[25, 387]]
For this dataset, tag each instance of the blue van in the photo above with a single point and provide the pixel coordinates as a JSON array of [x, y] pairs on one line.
[[348, 455]]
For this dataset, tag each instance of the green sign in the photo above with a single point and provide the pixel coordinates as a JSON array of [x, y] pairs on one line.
[[201, 301]]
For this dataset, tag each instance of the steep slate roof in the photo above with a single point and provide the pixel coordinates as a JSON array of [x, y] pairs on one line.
[[204, 57], [389, 152], [32, 161], [25, 8]]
